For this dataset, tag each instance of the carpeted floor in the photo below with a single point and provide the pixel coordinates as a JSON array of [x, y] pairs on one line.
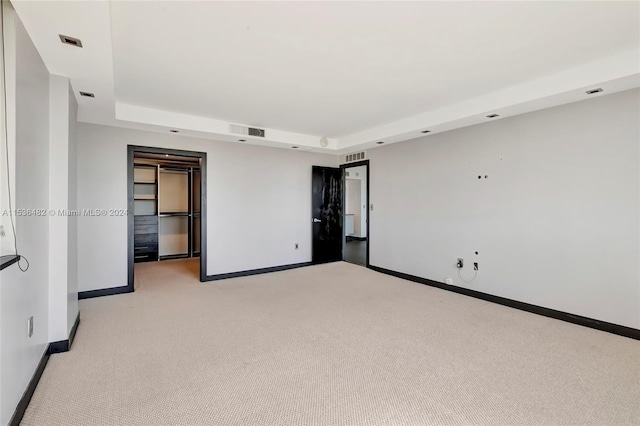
[[334, 344]]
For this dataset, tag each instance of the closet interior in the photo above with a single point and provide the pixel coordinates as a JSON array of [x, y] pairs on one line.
[[166, 207]]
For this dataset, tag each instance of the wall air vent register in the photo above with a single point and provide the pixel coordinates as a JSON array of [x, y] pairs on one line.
[[248, 131], [356, 156]]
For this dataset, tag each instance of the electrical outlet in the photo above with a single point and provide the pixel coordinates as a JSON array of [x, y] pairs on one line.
[[475, 266], [460, 263], [30, 327], [2, 233], [449, 281], [296, 246]]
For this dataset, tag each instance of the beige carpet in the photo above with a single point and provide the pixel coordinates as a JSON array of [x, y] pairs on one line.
[[333, 344]]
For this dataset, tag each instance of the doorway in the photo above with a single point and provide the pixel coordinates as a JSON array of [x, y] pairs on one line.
[[167, 209], [356, 212], [340, 213]]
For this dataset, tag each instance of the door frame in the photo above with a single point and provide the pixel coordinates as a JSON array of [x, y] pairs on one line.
[[343, 168], [131, 151]]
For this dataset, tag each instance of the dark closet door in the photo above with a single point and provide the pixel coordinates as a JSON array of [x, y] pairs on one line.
[[326, 208]]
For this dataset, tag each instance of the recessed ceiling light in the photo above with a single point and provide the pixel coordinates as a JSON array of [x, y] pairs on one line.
[[492, 116], [242, 140], [166, 155], [294, 147], [70, 40], [380, 142], [173, 131], [87, 94], [426, 131], [591, 92]]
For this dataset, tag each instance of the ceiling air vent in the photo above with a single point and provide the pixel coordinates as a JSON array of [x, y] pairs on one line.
[[356, 156], [70, 40], [591, 92], [256, 132], [248, 131]]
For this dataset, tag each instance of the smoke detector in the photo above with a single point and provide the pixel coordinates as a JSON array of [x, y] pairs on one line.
[[324, 142]]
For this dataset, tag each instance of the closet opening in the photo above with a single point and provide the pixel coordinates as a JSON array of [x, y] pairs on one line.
[[356, 212], [167, 220]]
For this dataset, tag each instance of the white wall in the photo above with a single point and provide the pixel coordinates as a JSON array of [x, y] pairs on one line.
[[72, 221], [360, 173], [26, 294], [259, 202], [63, 293], [352, 205], [8, 153], [556, 223]]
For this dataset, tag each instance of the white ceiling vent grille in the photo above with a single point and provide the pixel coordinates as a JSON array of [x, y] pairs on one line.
[[247, 131], [356, 156]]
